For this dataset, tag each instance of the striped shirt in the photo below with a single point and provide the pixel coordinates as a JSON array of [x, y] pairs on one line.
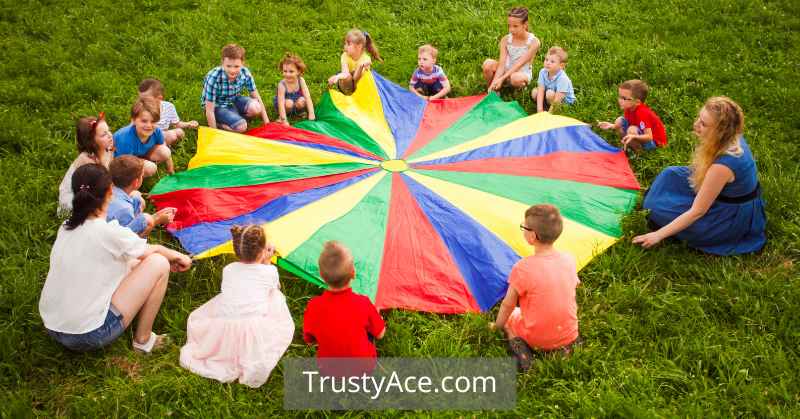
[[222, 91], [169, 116]]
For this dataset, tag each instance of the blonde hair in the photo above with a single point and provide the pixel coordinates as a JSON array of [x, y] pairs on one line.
[[544, 220], [359, 37], [558, 52], [429, 49], [248, 241], [723, 137], [335, 264]]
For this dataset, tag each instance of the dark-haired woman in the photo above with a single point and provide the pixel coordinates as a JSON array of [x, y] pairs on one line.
[[91, 295]]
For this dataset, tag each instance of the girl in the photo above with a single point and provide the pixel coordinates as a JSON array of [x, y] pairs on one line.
[[516, 54], [715, 205], [90, 295], [95, 145], [293, 97], [244, 330], [354, 60]]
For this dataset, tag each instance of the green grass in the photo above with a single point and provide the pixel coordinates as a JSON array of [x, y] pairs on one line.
[[669, 332]]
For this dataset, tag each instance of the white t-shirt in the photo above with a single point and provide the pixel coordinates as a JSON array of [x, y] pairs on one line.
[[169, 115], [86, 266], [65, 194], [245, 286]]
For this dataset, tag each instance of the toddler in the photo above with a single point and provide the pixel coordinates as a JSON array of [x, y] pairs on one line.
[[222, 86], [95, 145], [244, 330], [355, 60], [429, 81], [142, 138], [516, 54], [543, 285], [127, 174], [341, 323], [293, 97], [639, 127], [169, 116], [555, 87]]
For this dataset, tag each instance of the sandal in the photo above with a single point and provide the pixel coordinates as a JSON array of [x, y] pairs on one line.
[[522, 352], [154, 343]]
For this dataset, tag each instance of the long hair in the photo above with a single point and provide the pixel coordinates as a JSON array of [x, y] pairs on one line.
[[722, 138], [90, 184], [85, 130], [358, 36]]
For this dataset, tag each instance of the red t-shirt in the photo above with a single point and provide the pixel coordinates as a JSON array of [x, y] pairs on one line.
[[338, 322], [643, 117]]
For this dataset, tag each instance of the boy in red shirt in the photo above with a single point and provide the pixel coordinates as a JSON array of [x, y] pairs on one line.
[[342, 324], [639, 127], [543, 285]]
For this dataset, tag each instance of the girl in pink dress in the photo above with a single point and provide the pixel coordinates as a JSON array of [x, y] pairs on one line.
[[243, 331]]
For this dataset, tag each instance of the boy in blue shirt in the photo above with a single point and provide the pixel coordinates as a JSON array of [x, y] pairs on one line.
[[554, 85], [142, 138], [127, 174], [222, 87]]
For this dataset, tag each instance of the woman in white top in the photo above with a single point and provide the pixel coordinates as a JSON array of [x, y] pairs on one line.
[[95, 145], [90, 296], [516, 54]]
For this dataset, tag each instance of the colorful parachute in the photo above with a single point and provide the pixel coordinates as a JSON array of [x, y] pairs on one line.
[[427, 195]]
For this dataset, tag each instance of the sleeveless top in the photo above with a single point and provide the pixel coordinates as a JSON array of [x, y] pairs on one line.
[[515, 53], [744, 171]]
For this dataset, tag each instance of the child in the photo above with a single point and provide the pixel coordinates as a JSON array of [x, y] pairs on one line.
[[354, 60], [169, 116], [293, 97], [639, 127], [127, 174], [221, 98], [516, 54], [342, 324], [555, 87], [244, 330], [544, 286], [429, 81], [95, 145], [142, 138]]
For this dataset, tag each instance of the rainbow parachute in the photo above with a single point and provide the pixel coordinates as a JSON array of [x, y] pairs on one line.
[[427, 195]]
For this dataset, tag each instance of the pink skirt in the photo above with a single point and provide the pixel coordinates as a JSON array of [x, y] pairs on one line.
[[227, 342]]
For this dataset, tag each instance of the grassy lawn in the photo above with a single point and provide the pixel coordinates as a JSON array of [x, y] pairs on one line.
[[669, 332]]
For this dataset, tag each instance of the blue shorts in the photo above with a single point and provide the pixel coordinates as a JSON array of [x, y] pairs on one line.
[[428, 89], [650, 145], [293, 96], [234, 114], [108, 332]]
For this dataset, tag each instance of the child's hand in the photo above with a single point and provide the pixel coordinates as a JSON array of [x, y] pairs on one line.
[[605, 125], [165, 215], [285, 122], [333, 79], [270, 253], [627, 140], [496, 85], [192, 124], [312, 117], [648, 240], [180, 263]]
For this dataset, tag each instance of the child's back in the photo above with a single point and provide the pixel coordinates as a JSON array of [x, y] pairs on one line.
[[549, 312], [243, 331], [342, 324]]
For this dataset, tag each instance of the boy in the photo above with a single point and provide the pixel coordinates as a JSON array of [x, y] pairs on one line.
[[342, 324], [169, 116], [639, 127], [554, 86], [127, 174], [544, 286], [429, 81], [221, 98], [142, 138]]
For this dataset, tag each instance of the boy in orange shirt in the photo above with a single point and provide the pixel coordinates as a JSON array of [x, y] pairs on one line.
[[543, 285]]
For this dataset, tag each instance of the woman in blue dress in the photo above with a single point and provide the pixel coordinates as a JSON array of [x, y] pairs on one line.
[[715, 204]]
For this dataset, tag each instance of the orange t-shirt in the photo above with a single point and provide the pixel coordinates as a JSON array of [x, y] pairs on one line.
[[548, 315]]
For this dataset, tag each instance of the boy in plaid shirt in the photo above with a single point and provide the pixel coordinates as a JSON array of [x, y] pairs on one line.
[[221, 93]]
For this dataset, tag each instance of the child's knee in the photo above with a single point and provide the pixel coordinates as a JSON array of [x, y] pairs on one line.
[[288, 104], [489, 65], [534, 92], [550, 95], [179, 133], [519, 80], [633, 130], [300, 103], [240, 127], [253, 108], [149, 168]]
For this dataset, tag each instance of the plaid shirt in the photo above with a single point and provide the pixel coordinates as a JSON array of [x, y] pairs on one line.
[[219, 89]]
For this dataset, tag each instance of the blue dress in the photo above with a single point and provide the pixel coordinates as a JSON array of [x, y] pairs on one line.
[[735, 223]]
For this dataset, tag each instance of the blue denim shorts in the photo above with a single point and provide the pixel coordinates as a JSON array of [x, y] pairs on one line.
[[428, 89], [108, 332], [233, 114], [650, 145]]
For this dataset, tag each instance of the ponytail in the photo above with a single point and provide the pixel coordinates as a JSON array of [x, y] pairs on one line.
[[372, 49], [90, 184]]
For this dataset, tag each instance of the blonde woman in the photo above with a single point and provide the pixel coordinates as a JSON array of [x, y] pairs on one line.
[[715, 204]]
